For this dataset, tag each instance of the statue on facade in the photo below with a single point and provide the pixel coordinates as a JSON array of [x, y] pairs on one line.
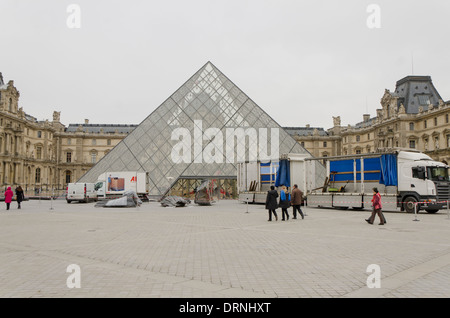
[[336, 121], [56, 116]]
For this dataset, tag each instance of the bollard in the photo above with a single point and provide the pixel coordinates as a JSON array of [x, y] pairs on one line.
[[448, 211], [415, 211], [51, 200]]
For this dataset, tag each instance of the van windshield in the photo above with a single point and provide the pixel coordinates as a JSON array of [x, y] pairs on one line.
[[438, 174]]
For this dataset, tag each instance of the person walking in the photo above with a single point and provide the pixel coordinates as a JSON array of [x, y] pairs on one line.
[[285, 202], [271, 202], [19, 196], [8, 197], [377, 206], [296, 201]]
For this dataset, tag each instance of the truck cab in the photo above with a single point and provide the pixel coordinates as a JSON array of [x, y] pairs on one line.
[[423, 180]]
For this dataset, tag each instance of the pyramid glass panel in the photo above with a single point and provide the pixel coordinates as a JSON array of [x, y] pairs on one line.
[[201, 131]]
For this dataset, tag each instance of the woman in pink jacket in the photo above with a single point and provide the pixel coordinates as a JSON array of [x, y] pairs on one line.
[[376, 203], [8, 197]]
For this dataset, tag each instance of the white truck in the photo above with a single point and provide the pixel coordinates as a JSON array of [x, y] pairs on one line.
[[82, 192], [113, 184], [406, 180]]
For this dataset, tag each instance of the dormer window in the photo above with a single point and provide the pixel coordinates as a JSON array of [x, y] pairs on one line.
[[424, 100]]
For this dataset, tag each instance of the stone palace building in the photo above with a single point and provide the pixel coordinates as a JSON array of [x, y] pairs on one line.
[[413, 116], [46, 155]]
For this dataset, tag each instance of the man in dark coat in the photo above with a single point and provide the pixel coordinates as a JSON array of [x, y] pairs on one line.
[[296, 201], [19, 196], [272, 203]]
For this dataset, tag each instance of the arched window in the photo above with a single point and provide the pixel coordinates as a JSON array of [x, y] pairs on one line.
[[68, 176], [38, 175]]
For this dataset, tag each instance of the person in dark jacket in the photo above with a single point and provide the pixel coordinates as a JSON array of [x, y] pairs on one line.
[[285, 203], [296, 201], [19, 196], [271, 203]]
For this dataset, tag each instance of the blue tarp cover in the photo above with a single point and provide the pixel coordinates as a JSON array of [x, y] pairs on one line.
[[283, 174], [382, 169], [388, 170]]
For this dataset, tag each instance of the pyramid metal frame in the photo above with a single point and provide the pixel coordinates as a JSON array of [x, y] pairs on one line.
[[208, 96]]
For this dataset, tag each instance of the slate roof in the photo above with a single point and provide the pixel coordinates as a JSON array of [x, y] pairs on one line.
[[415, 92], [304, 131], [107, 128]]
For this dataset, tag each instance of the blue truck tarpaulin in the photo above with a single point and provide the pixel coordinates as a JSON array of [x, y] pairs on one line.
[[283, 174], [388, 170]]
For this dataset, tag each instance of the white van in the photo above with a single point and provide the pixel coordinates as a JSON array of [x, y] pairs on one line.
[[83, 192]]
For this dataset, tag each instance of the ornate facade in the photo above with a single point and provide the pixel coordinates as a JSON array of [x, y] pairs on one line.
[[46, 155], [414, 116]]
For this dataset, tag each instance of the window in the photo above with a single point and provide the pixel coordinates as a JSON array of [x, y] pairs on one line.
[[94, 142], [69, 157], [10, 105], [38, 175], [435, 121], [39, 153], [418, 172], [324, 144], [69, 141], [411, 126], [368, 136], [108, 142], [39, 134], [425, 124], [448, 141], [424, 100], [93, 157], [412, 144], [446, 118], [358, 151], [68, 176], [358, 138], [303, 144]]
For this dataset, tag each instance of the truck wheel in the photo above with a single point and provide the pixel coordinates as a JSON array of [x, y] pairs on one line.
[[409, 204], [68, 201], [432, 211]]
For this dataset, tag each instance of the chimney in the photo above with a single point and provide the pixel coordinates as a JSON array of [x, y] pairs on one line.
[[366, 117]]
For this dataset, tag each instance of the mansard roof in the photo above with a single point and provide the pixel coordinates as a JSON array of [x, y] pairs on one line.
[[416, 91]]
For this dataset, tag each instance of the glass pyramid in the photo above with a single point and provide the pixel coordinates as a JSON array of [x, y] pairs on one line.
[[191, 135]]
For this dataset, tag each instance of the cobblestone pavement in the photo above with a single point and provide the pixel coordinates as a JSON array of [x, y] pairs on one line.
[[218, 251]]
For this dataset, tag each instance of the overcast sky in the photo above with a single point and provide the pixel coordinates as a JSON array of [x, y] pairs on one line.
[[301, 61]]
